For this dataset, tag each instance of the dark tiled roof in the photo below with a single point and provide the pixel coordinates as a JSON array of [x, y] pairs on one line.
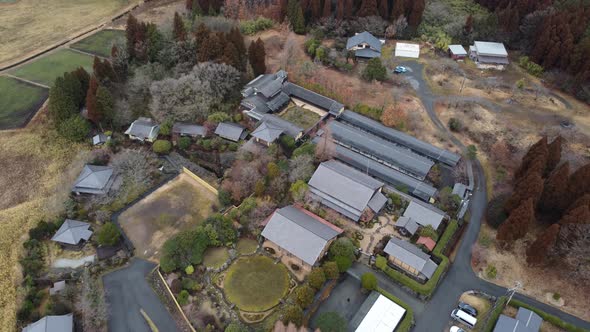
[[367, 53], [364, 37], [189, 129], [410, 255], [288, 127], [309, 96], [231, 131], [94, 179]]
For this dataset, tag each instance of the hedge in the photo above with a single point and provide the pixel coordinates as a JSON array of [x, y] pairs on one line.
[[548, 317], [427, 288], [494, 315], [406, 324]]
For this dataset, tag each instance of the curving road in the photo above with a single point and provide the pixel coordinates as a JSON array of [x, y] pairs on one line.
[[434, 315]]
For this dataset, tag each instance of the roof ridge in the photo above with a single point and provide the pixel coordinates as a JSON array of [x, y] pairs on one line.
[[302, 226], [352, 171]]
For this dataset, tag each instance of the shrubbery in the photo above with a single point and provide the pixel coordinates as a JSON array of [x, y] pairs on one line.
[[368, 111], [331, 270], [108, 234], [316, 277], [251, 27], [455, 124], [495, 213], [162, 146], [375, 70], [369, 281], [182, 297], [531, 67], [75, 128], [186, 248], [184, 142], [304, 296]]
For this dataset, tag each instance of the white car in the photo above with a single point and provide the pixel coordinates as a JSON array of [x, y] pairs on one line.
[[456, 329]]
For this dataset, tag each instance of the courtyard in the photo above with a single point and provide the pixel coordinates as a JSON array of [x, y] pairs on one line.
[[300, 116], [178, 205]]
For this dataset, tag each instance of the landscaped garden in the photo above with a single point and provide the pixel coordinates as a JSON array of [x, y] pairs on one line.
[[256, 284], [246, 246], [300, 116], [46, 69], [18, 102], [100, 43], [215, 257]]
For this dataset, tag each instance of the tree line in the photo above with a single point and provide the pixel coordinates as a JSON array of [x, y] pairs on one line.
[[547, 192]]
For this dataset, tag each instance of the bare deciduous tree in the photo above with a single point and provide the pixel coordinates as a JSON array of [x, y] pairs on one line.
[[301, 168], [573, 248], [325, 148], [92, 304]]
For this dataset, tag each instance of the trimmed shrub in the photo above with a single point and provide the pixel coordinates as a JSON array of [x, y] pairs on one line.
[[491, 272], [455, 124], [381, 262], [293, 314], [108, 234], [189, 270], [162, 146], [344, 263], [251, 27], [304, 296], [184, 142], [182, 297], [369, 281], [316, 278], [331, 270]]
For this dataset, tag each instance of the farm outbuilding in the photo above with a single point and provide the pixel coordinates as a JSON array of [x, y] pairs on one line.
[[406, 50], [377, 314], [489, 55], [457, 52]]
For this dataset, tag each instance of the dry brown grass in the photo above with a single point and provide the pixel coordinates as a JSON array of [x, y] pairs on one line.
[[537, 281], [32, 162], [176, 206], [28, 25]]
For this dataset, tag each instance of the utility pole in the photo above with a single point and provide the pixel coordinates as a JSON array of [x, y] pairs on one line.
[[511, 291], [462, 84]]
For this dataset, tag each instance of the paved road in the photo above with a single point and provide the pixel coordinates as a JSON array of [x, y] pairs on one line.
[[434, 315], [127, 292]]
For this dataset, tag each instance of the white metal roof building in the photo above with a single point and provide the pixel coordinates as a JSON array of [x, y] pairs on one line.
[[377, 314], [457, 50], [423, 215], [407, 50]]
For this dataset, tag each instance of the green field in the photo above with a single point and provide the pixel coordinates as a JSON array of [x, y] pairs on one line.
[[300, 116], [47, 68], [18, 102], [256, 283], [215, 257], [99, 43]]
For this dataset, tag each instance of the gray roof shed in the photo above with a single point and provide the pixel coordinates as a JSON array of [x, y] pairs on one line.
[[408, 224], [525, 321], [345, 189], [300, 232], [143, 129], [490, 49], [457, 50], [364, 37], [411, 255], [384, 151], [188, 129], [99, 139], [72, 232], [267, 132], [94, 179], [231, 131], [63, 323], [423, 215], [400, 138]]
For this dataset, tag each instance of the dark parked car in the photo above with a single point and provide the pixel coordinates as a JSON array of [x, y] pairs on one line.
[[468, 309]]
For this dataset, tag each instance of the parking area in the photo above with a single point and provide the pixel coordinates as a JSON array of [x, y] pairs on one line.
[[345, 300], [128, 292], [480, 303]]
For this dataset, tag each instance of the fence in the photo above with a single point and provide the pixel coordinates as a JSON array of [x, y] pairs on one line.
[[157, 270], [199, 180]]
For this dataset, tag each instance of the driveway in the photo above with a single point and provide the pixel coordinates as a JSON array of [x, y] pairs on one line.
[[128, 291], [434, 315]]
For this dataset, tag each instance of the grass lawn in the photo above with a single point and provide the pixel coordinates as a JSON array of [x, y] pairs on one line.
[[30, 25], [99, 43], [256, 283], [45, 69], [300, 116], [18, 102], [215, 257], [178, 205], [246, 246]]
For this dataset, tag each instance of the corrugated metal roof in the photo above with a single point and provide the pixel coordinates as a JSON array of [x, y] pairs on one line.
[[382, 150], [395, 178], [364, 37], [309, 96], [423, 216], [492, 59], [231, 131], [302, 234], [427, 242], [407, 50], [143, 128], [410, 255], [400, 138], [64, 323], [457, 50], [377, 202], [367, 53], [490, 49], [383, 316], [529, 318], [72, 232]]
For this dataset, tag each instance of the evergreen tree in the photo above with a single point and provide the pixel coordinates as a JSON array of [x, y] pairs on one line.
[[554, 154], [368, 8], [131, 34], [295, 14], [538, 151], [375, 70], [579, 215], [578, 184], [582, 201], [529, 188], [468, 27], [554, 197], [235, 37], [155, 42], [92, 113], [104, 104], [257, 56], [231, 56], [201, 34], [188, 5], [340, 9], [397, 9], [327, 11], [316, 6], [178, 30], [384, 9], [538, 251], [84, 79], [517, 224], [61, 103], [348, 8], [415, 16]]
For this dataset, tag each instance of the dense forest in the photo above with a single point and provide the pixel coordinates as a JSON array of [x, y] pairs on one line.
[[553, 33]]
